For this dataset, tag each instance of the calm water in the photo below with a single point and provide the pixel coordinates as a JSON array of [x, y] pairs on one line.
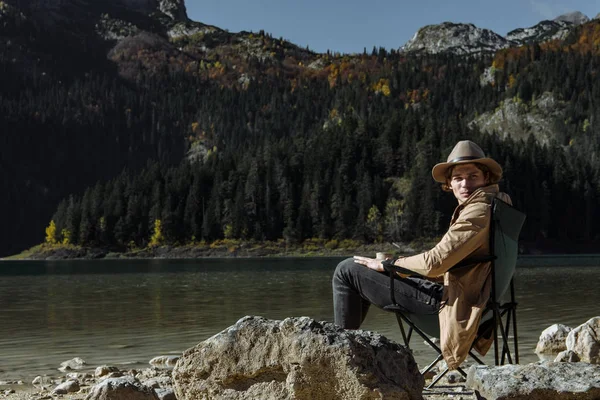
[[127, 312]]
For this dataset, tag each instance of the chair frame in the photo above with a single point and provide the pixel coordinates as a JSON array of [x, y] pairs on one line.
[[503, 314]]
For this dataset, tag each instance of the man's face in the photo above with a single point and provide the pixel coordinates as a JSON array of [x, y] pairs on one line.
[[465, 179]]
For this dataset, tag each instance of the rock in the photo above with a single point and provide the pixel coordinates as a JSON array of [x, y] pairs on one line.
[[544, 380], [454, 377], [41, 380], [78, 376], [517, 119], [461, 39], [75, 363], [567, 356], [158, 382], [125, 388], [70, 386], [116, 374], [553, 339], [164, 361], [297, 358], [585, 341], [174, 9], [165, 394], [104, 370]]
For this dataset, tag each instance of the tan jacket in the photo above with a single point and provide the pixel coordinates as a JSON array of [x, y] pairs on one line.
[[466, 291]]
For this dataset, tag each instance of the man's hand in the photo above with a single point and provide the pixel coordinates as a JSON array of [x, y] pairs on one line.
[[371, 263]]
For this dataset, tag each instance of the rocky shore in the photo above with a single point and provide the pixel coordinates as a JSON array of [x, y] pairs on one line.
[[77, 380], [303, 359]]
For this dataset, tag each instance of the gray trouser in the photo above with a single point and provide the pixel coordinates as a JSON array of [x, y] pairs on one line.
[[356, 287]]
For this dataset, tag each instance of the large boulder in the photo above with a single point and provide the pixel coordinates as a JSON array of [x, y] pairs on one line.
[[553, 339], [585, 341], [544, 380], [297, 358]]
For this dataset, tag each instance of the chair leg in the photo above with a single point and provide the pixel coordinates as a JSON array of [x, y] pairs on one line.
[[437, 379], [515, 337], [505, 345], [401, 325], [477, 359], [496, 318], [514, 316], [433, 363], [504, 338]]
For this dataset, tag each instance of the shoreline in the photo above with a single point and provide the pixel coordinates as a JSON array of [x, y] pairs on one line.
[[233, 248], [220, 249]]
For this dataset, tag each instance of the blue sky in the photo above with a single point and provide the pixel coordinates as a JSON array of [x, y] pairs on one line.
[[348, 26]]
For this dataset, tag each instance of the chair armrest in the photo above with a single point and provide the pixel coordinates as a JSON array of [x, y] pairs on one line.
[[389, 266], [392, 269]]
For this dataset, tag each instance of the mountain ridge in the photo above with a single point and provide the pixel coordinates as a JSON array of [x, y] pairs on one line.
[[466, 38]]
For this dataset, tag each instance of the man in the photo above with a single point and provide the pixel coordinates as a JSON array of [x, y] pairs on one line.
[[360, 281]]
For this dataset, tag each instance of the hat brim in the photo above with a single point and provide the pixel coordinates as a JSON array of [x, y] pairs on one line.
[[439, 170]]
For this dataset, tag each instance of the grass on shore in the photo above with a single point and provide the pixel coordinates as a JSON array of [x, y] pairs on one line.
[[225, 248]]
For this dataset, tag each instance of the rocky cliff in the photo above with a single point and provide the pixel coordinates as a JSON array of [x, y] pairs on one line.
[[457, 38]]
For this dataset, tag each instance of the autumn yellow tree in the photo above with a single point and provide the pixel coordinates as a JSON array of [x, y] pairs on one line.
[[157, 237], [66, 235], [51, 237]]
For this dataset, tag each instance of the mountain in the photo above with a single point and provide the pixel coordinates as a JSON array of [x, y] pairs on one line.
[[459, 39], [542, 32], [575, 18], [464, 39], [547, 30]]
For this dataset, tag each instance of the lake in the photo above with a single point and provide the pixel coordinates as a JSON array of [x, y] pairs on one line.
[[125, 312]]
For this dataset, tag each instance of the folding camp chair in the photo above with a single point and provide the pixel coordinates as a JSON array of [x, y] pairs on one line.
[[506, 223]]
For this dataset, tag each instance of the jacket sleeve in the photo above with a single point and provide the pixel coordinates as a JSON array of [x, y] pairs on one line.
[[466, 234]]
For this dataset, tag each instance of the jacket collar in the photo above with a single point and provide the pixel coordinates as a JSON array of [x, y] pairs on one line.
[[482, 191], [476, 197]]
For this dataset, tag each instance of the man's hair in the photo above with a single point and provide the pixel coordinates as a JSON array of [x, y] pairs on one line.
[[483, 168]]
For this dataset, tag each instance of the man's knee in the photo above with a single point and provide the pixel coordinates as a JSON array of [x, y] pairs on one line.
[[346, 269]]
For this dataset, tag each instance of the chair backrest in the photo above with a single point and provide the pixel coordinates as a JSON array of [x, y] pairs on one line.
[[505, 227]]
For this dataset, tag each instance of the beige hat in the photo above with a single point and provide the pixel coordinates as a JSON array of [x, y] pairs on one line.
[[466, 152]]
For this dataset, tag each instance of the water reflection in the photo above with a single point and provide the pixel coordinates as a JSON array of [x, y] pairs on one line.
[[118, 312]]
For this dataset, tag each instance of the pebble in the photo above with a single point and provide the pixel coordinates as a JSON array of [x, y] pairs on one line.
[[52, 388], [164, 361], [41, 380], [455, 377], [104, 370], [67, 387], [165, 394]]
